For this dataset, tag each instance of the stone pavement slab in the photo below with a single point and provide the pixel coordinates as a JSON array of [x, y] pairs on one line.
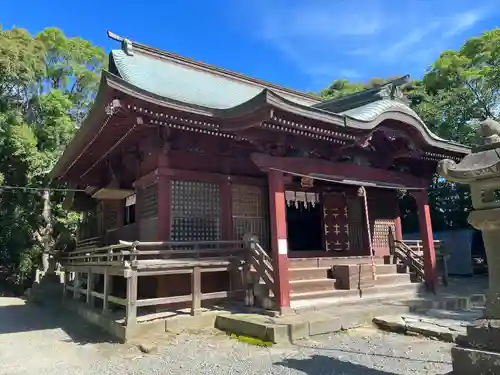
[[440, 324], [290, 328]]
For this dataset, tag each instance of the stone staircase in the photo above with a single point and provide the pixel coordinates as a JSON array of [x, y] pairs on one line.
[[348, 279], [48, 289]]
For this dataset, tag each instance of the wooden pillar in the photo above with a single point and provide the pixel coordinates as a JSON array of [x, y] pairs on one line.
[[399, 229], [164, 223], [90, 284], [76, 285], [425, 226], [397, 221], [164, 219], [196, 291], [226, 211], [279, 241], [106, 291], [65, 284], [131, 308]]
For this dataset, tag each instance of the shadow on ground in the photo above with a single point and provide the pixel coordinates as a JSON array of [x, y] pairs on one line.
[[372, 354], [17, 316], [323, 365]]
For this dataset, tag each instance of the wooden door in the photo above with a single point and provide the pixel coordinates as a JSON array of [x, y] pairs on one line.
[[356, 219], [336, 228]]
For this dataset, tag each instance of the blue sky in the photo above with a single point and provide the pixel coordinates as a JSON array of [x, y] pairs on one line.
[[303, 44]]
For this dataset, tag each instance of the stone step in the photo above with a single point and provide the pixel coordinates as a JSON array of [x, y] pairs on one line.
[[312, 285], [312, 301], [386, 269], [309, 273], [324, 294], [328, 262], [393, 279]]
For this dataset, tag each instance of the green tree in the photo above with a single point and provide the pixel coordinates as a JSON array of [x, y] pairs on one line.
[[459, 89], [47, 83]]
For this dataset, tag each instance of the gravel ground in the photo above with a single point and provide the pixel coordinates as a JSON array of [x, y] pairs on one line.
[[36, 341]]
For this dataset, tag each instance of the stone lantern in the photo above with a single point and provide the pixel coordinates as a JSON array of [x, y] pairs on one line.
[[480, 352]]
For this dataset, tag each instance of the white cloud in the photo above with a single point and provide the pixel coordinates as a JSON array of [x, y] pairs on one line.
[[328, 39], [463, 21], [311, 19], [348, 74], [407, 42]]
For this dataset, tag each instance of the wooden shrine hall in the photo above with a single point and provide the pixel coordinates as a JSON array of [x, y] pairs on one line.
[[178, 161]]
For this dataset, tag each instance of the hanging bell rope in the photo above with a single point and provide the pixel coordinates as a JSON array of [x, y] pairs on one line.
[[362, 193]]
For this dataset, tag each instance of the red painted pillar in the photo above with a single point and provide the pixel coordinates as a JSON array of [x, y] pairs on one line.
[[399, 228], [397, 220], [164, 197], [164, 218], [425, 226], [279, 241], [226, 211]]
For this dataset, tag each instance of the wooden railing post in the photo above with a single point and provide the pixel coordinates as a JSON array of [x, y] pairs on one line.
[[76, 285], [392, 243], [133, 252], [196, 248], [105, 291], [90, 298], [65, 284], [196, 291], [131, 318], [247, 270]]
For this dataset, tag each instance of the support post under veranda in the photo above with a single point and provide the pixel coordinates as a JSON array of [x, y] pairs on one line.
[[131, 309], [362, 193]]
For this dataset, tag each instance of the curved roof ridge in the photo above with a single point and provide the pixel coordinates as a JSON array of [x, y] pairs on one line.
[[369, 112], [126, 43], [269, 99]]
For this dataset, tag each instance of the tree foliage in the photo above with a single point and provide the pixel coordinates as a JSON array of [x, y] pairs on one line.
[[459, 89], [47, 83]]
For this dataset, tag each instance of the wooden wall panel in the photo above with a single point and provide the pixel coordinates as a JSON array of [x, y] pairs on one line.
[[148, 229], [146, 212], [148, 202], [250, 211], [356, 222]]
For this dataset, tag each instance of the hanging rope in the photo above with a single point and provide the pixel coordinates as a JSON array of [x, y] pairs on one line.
[[362, 193]]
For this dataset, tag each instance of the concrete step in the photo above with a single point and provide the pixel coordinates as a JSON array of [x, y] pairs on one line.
[[386, 269], [311, 285], [392, 279], [324, 294], [328, 262], [313, 301], [309, 273]]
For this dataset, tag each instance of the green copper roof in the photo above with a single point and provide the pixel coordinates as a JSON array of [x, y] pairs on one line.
[[390, 89], [371, 111], [173, 80]]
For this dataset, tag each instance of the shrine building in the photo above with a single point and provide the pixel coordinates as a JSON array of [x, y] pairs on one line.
[[175, 150]]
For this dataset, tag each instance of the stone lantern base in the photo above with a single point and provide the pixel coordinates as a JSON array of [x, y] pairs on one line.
[[479, 354]]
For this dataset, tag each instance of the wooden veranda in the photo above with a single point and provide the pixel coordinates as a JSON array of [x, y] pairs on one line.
[[87, 268]]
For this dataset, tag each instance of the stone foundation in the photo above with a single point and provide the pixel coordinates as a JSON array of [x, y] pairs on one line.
[[479, 354], [474, 361]]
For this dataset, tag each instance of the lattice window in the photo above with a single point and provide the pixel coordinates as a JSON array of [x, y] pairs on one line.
[[111, 217], [381, 233], [148, 202], [196, 211], [250, 212]]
